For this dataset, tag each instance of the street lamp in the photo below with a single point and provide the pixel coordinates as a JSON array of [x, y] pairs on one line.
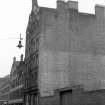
[[20, 42]]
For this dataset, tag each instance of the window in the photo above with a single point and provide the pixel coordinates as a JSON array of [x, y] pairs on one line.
[[36, 44], [35, 100], [37, 59]]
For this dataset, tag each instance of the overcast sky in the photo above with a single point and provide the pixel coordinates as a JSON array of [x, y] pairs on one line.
[[13, 21]]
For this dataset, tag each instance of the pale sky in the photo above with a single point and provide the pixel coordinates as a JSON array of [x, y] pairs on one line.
[[13, 21]]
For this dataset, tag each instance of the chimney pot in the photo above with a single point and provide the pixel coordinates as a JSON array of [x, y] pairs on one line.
[[100, 11], [14, 59], [61, 5], [21, 57], [72, 4]]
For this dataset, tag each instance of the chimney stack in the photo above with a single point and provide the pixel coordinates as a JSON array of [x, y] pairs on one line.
[[100, 11], [72, 4], [14, 59], [21, 57], [61, 5]]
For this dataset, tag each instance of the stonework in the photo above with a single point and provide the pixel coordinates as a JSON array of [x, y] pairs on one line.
[[64, 48], [16, 83], [71, 48]]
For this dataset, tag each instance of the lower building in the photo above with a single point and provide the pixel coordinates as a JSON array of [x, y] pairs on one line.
[[4, 93], [16, 83]]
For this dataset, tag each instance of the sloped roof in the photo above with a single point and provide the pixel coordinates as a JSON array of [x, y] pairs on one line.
[[14, 65]]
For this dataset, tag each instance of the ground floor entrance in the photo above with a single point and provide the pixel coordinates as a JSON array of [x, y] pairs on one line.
[[66, 97]]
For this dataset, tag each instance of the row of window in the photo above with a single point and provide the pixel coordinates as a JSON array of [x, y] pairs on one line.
[[18, 79], [32, 53], [31, 79], [4, 97], [33, 23], [32, 47], [34, 78], [16, 82], [31, 99], [34, 61], [27, 82], [4, 90], [16, 94]]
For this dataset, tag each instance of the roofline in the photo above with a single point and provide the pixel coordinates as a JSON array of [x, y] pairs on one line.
[[48, 8]]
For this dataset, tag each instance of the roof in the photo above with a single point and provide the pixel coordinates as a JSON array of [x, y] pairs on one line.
[[14, 65]]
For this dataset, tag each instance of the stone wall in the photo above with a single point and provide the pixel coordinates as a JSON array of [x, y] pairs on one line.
[[93, 98], [72, 47], [50, 100]]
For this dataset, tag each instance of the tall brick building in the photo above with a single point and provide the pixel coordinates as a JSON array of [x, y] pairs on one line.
[[65, 55]]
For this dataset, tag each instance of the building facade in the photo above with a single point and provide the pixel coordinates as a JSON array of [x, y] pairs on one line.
[[32, 58], [65, 54], [16, 83], [4, 92]]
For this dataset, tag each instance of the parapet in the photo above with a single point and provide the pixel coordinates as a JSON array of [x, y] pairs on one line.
[[100, 11], [62, 6]]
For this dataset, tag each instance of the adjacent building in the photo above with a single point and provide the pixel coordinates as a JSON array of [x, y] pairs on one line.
[[31, 91], [4, 92], [16, 83]]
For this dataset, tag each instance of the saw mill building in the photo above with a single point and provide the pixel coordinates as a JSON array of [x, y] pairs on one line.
[[65, 56]]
